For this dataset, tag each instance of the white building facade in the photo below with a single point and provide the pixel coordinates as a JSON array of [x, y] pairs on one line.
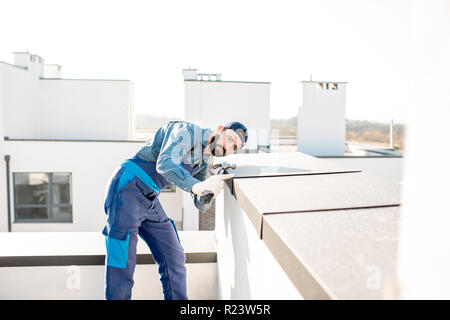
[[40, 106], [61, 140]]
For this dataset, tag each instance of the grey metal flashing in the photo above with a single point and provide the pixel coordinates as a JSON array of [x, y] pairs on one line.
[[219, 81], [70, 140], [334, 209], [230, 182], [295, 174], [93, 260]]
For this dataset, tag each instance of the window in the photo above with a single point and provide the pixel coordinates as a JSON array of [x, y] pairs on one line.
[[42, 197]]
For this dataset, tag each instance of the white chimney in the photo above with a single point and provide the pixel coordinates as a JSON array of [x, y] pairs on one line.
[[321, 118], [23, 59], [53, 71], [190, 74], [38, 65], [32, 62]]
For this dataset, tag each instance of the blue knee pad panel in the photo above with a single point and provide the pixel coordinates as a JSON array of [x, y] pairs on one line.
[[117, 251]]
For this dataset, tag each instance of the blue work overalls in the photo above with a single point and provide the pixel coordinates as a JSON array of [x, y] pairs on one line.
[[133, 209]]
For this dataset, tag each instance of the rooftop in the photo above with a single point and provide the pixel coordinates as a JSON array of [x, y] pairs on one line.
[[332, 231]]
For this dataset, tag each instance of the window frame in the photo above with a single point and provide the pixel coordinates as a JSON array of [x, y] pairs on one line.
[[50, 205]]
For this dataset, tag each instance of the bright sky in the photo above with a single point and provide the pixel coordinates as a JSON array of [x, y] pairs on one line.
[[363, 42]]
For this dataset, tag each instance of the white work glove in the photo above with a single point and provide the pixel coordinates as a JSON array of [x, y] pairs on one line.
[[212, 184]]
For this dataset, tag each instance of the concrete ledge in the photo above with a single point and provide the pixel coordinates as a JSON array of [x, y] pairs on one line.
[[33, 249]]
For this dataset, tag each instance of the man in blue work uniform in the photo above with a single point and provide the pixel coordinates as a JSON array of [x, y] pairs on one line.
[[178, 154]]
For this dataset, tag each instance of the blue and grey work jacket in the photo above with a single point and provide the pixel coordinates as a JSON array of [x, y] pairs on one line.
[[176, 154]]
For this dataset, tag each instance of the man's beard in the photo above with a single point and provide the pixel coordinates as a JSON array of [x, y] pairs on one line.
[[213, 145]]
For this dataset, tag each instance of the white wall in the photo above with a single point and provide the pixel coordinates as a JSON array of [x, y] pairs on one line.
[[382, 167], [321, 120], [213, 103], [61, 282], [18, 102], [246, 267], [85, 109], [91, 165]]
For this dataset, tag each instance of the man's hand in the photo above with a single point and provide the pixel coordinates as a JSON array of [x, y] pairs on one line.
[[212, 184]]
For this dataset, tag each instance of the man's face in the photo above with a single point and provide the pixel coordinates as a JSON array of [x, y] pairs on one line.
[[225, 142]]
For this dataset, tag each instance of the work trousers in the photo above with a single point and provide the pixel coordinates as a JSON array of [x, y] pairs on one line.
[[133, 208]]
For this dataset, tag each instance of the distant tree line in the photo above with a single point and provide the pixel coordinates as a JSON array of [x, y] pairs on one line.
[[375, 132], [285, 127], [356, 130]]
